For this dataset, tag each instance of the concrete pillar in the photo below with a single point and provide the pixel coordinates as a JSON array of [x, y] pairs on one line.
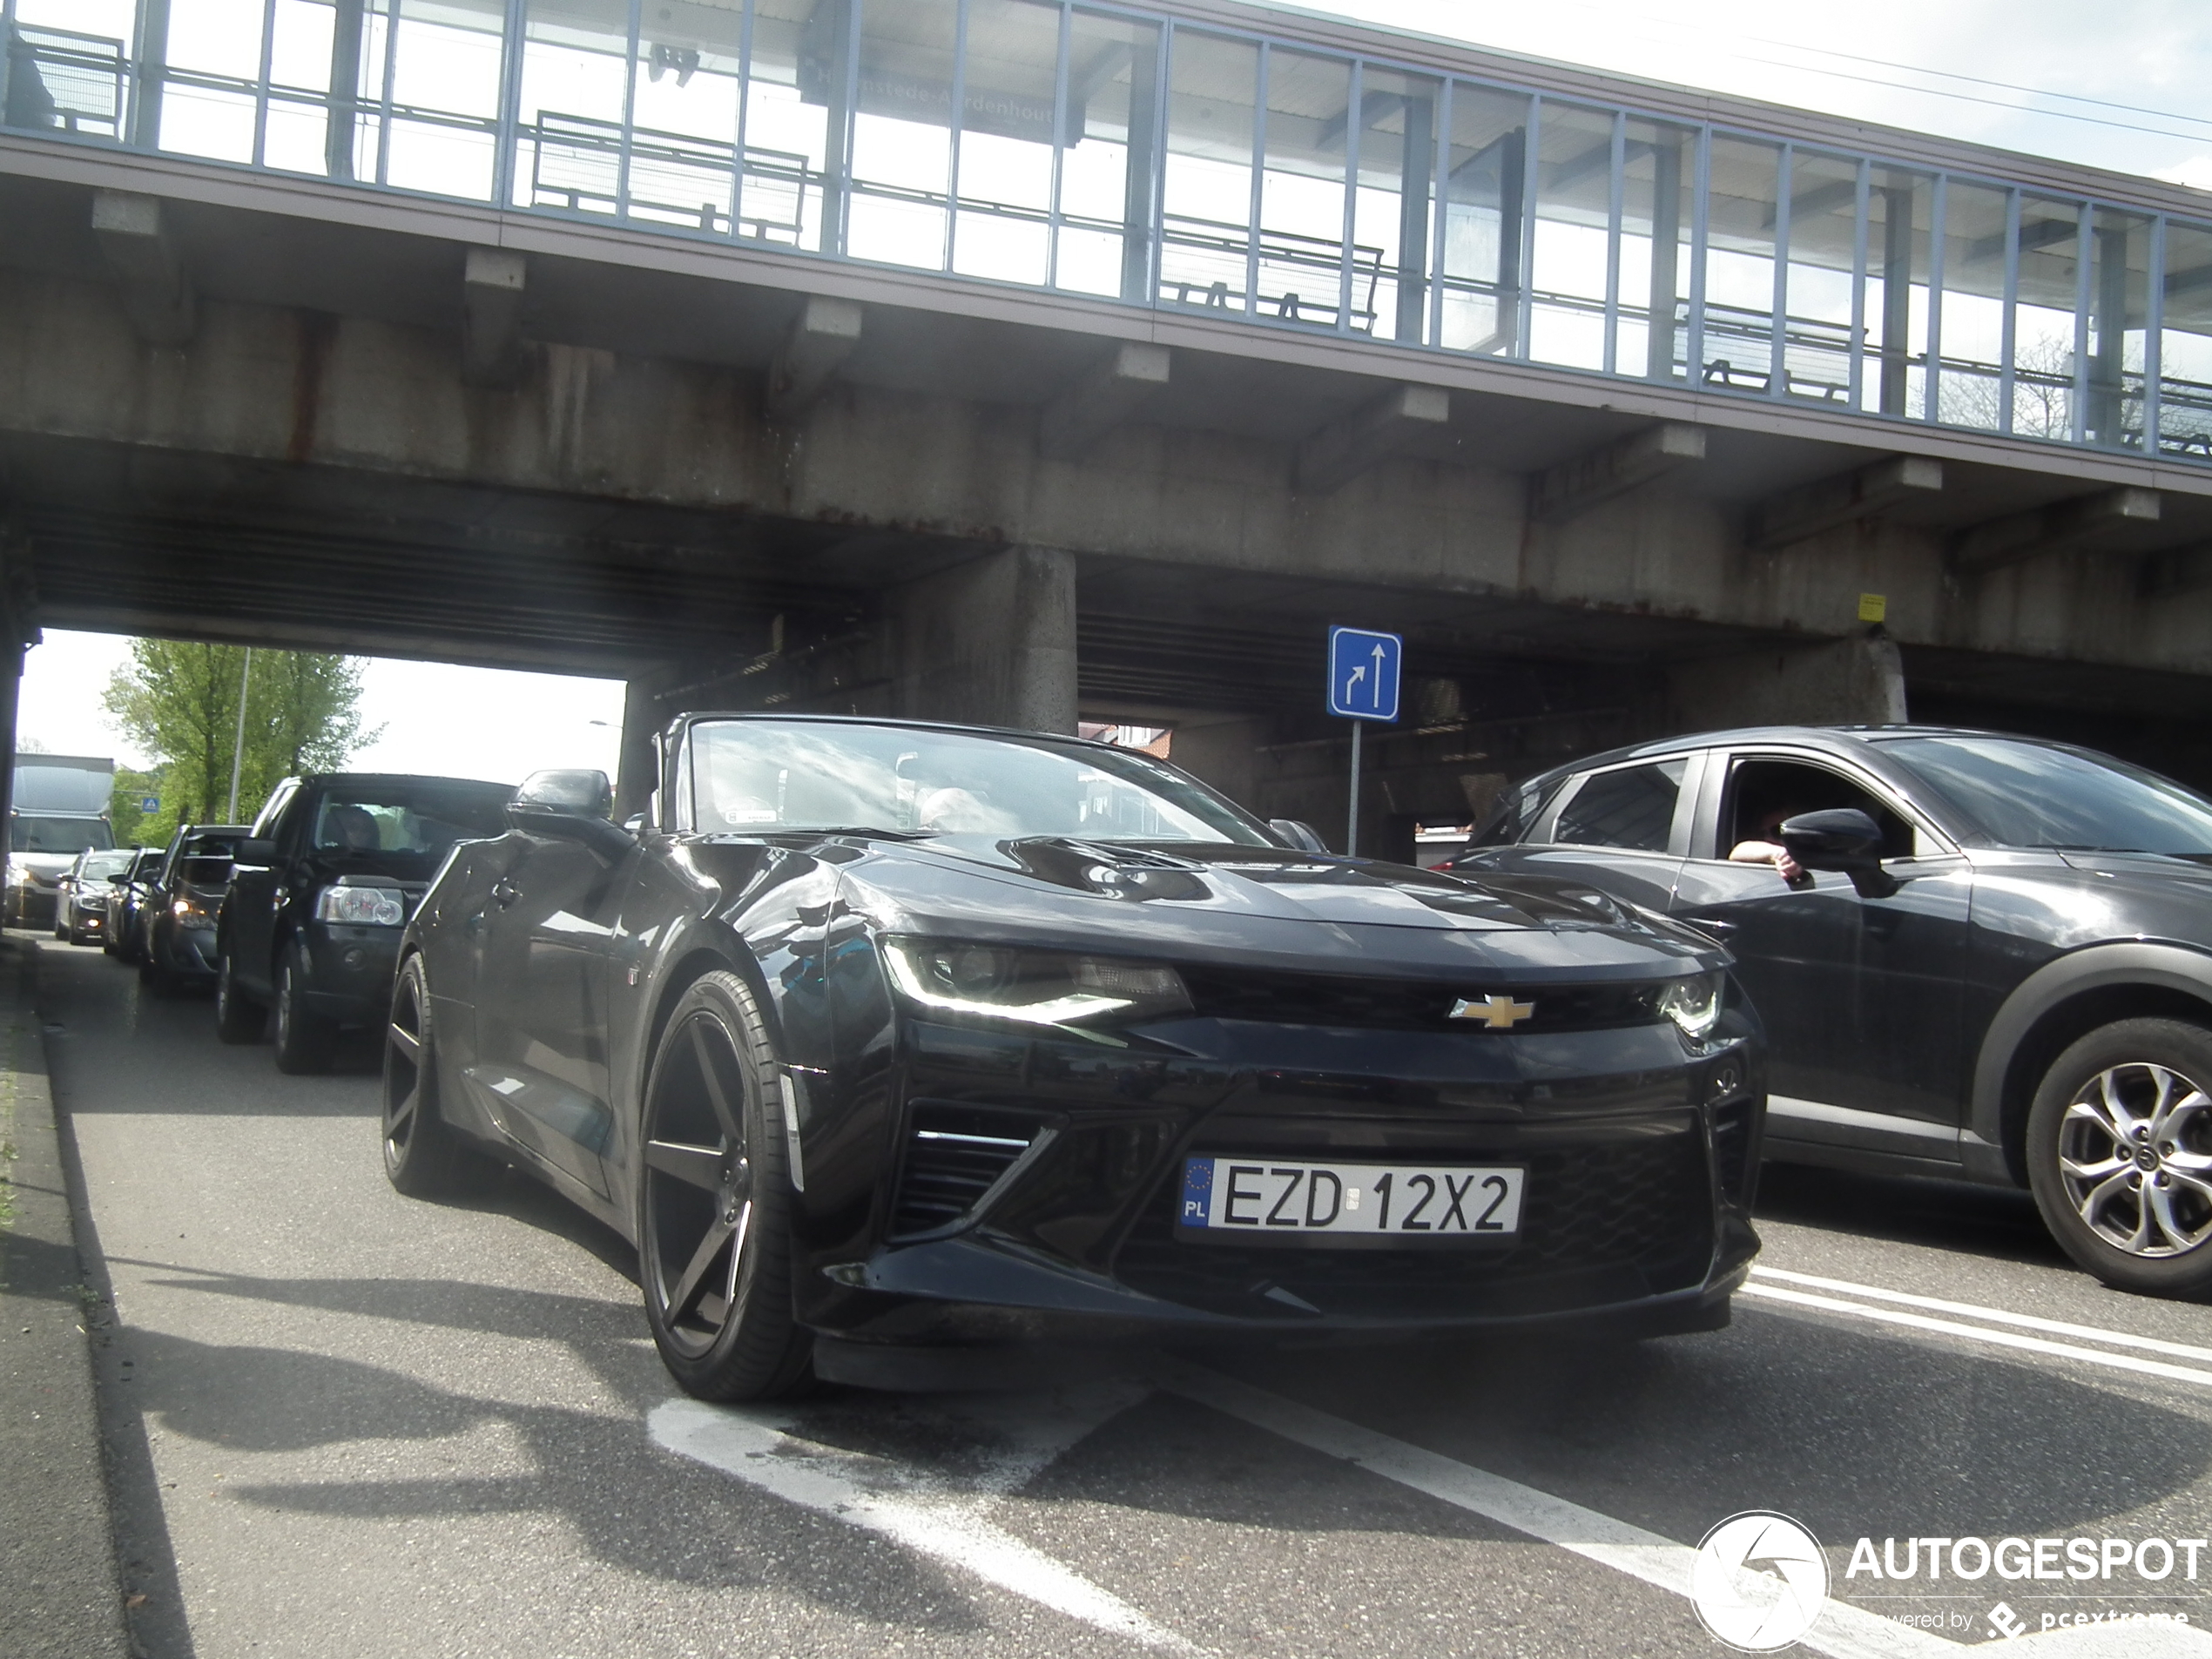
[[638, 773], [1844, 682], [991, 642]]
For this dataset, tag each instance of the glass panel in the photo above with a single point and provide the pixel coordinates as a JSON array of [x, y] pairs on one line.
[[1006, 140], [1573, 236], [2118, 313], [575, 92], [301, 52], [220, 37], [212, 42], [444, 81], [684, 110], [1740, 221], [1301, 190], [1391, 229], [2185, 345], [1655, 225], [1106, 165], [1972, 321], [66, 66], [2043, 319], [902, 133], [1817, 324], [1208, 189], [1633, 806], [1486, 161], [1899, 211], [794, 122]]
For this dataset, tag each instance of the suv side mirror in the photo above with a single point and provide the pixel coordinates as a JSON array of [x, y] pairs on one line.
[[1844, 839], [1293, 832], [251, 850], [586, 793]]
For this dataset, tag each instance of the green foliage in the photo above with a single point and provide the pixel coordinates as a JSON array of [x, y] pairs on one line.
[[131, 787], [179, 701]]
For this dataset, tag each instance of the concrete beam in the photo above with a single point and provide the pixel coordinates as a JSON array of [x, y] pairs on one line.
[[157, 289], [1799, 515], [991, 642], [1999, 542], [821, 338], [1346, 447], [1849, 682], [1111, 393], [2176, 571], [491, 328], [1572, 488]]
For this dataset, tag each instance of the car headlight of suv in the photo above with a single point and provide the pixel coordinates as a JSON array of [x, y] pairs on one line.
[[1693, 1004], [1034, 987], [188, 910], [361, 906]]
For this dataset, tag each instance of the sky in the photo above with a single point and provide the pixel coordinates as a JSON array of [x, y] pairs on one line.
[[2120, 83]]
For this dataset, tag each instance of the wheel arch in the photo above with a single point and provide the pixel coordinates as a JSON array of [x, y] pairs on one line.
[[695, 962], [2058, 1004]]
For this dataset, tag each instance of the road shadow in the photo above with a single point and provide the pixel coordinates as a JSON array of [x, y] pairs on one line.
[[1999, 1222]]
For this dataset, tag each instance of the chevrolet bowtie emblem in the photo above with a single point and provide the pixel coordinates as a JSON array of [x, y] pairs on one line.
[[1497, 1012]]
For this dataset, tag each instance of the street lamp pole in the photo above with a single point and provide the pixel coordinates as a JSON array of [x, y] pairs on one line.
[[238, 750]]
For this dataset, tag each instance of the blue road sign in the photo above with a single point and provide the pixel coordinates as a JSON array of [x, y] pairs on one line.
[[149, 803], [1363, 673]]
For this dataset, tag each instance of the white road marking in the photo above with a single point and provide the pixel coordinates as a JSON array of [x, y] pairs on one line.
[[1995, 1316], [930, 1514], [1980, 1333], [1843, 1632]]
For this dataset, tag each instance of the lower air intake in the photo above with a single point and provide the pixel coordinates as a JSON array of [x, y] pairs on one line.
[[954, 1155]]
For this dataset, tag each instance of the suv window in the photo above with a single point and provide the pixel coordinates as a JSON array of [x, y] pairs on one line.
[[1761, 793], [409, 817], [1629, 806], [1514, 814]]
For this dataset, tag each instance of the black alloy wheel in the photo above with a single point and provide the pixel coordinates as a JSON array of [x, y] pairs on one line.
[[424, 1158], [2120, 1155], [714, 1204], [305, 1040], [239, 1019]]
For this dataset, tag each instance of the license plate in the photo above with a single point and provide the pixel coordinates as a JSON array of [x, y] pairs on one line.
[[1256, 1199]]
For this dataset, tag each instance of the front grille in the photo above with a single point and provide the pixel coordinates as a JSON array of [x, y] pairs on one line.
[[954, 1154], [1410, 1005], [1602, 1222]]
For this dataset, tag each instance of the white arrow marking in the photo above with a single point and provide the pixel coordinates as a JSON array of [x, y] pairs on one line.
[[1379, 655], [1358, 674]]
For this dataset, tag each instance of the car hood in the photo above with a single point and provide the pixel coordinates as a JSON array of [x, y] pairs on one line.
[[1265, 903]]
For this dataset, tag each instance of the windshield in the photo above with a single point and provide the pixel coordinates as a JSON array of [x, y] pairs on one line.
[[407, 816], [2034, 794], [58, 834], [105, 867], [769, 775]]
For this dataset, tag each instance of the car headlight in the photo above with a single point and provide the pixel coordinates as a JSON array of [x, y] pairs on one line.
[[187, 910], [1693, 1004], [1035, 987], [361, 906]]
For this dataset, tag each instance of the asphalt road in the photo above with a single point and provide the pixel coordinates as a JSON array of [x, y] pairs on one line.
[[347, 1424]]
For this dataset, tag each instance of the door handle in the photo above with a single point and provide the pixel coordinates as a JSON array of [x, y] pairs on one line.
[[504, 893]]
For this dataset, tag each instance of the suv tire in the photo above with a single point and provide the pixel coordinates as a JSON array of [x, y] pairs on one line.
[[238, 1018], [2120, 1155], [305, 1040]]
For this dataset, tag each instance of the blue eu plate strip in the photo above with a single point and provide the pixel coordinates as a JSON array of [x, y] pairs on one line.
[[1197, 1190]]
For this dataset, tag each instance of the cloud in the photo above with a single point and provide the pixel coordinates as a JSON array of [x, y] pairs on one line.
[[2196, 172]]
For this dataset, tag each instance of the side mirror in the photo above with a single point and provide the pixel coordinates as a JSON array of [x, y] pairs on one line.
[[251, 850], [1844, 839], [587, 794], [608, 839], [1297, 833]]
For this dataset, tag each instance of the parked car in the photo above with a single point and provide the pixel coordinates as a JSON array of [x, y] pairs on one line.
[[877, 1037], [125, 899], [176, 918], [310, 925], [80, 900], [1998, 965]]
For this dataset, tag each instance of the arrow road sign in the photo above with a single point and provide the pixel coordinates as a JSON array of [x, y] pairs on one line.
[[1363, 673]]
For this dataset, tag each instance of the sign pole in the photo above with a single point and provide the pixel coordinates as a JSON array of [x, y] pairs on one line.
[[1351, 826]]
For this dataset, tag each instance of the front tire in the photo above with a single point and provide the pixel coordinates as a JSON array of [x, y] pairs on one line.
[[306, 1041], [153, 974], [238, 1019], [424, 1155], [2120, 1155], [714, 1204]]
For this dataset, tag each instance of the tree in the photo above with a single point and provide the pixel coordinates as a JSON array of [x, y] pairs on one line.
[[178, 702], [124, 813]]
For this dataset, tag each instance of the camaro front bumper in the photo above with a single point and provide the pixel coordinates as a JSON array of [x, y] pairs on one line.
[[1639, 1148]]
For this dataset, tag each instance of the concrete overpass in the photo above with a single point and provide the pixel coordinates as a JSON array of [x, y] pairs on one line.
[[767, 381]]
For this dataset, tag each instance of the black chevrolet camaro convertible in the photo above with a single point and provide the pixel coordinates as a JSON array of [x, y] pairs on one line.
[[894, 1045]]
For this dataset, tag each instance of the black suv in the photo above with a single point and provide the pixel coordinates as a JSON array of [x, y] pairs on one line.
[[177, 913], [1996, 963], [331, 871]]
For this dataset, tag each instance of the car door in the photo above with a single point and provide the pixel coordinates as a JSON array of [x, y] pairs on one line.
[[1861, 995], [542, 1025], [1624, 829], [255, 895]]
